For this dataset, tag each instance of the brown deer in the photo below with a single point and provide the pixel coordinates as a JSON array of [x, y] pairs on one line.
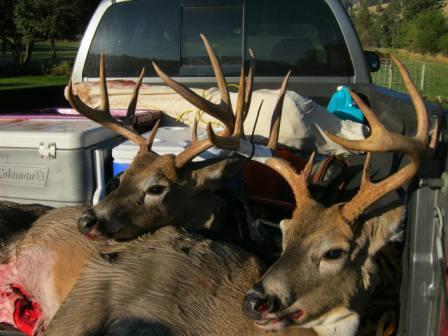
[[168, 283], [174, 283], [327, 268], [154, 185], [42, 264]]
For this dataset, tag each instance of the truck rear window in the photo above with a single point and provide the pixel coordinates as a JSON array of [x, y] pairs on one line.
[[302, 36]]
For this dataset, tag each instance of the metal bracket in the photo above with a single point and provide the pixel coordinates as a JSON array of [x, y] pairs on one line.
[[47, 150]]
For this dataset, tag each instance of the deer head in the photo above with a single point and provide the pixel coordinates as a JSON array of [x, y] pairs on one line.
[[326, 266], [158, 190]]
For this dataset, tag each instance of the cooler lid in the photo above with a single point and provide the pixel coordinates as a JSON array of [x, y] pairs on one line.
[[168, 140], [66, 134]]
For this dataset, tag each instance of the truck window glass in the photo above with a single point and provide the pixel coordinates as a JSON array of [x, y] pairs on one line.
[[132, 34], [302, 36], [222, 26]]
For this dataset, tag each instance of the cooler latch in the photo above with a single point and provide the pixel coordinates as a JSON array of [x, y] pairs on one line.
[[47, 150]]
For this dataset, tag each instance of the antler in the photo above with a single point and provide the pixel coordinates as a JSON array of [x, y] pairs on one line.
[[233, 131], [103, 115], [277, 115], [381, 140], [298, 182]]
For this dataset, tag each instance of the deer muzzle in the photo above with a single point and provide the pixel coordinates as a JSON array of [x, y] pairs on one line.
[[87, 221], [257, 304]]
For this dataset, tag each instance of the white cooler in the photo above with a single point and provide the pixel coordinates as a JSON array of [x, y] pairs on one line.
[[169, 140], [55, 162]]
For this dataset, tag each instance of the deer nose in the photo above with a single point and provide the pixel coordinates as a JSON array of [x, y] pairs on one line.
[[257, 302], [87, 221]]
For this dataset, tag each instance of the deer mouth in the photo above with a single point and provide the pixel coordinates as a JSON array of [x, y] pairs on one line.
[[94, 234], [272, 322]]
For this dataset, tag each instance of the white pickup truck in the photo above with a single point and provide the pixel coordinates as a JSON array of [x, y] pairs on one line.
[[317, 41]]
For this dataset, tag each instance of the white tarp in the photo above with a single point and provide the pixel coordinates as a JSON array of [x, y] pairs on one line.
[[302, 126]]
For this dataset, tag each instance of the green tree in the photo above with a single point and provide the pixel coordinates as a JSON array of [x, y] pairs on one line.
[[37, 20], [443, 43], [430, 26], [364, 21], [379, 7], [61, 21], [412, 7], [388, 24], [29, 21], [348, 4], [8, 33]]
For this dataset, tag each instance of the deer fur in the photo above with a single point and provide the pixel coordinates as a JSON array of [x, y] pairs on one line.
[[153, 193], [304, 283], [16, 218], [45, 261], [167, 283], [327, 263], [47, 258]]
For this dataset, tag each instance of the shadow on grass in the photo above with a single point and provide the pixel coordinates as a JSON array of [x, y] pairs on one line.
[[3, 85]]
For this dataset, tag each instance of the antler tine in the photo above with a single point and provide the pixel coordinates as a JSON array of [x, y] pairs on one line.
[[249, 84], [381, 140], [219, 74], [194, 135], [102, 117], [228, 119], [298, 182], [232, 142], [230, 137], [419, 104], [103, 86], [132, 107], [277, 115], [152, 135], [195, 148], [188, 154]]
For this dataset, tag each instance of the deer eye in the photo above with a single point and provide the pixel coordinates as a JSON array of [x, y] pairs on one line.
[[333, 254], [156, 189]]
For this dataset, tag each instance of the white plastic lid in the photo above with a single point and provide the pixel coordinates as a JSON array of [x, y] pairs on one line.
[[66, 134], [169, 140]]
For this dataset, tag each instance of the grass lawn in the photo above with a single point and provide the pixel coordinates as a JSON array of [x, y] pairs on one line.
[[438, 80], [429, 73], [31, 81], [65, 50]]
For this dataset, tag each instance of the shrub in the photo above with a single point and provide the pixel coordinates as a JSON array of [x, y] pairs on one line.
[[63, 68], [442, 43], [429, 27]]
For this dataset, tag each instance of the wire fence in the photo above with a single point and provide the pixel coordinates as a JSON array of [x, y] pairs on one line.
[[430, 78]]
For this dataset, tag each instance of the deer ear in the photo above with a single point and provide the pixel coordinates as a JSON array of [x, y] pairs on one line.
[[210, 174], [387, 227]]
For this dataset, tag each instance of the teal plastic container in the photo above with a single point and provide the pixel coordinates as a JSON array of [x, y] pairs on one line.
[[342, 105]]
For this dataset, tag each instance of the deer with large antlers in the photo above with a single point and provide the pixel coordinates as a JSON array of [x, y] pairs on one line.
[[41, 265], [318, 285], [327, 268], [158, 190]]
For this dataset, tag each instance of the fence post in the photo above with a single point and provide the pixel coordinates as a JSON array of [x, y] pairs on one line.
[[390, 75], [422, 82]]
